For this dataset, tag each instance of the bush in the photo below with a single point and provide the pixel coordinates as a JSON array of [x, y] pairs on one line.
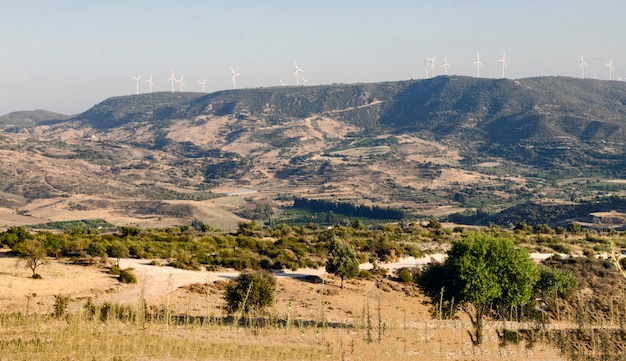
[[110, 311], [253, 290], [60, 305], [128, 276], [405, 275], [115, 270], [365, 275]]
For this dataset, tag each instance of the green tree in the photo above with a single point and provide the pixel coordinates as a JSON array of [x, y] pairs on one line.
[[34, 252], [130, 231], [96, 249], [118, 250], [553, 284], [482, 273], [253, 290], [574, 227], [342, 260], [14, 235]]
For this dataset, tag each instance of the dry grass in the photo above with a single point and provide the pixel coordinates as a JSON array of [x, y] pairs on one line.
[[364, 321], [76, 338]]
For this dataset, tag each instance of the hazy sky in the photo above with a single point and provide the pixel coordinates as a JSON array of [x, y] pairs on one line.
[[67, 55]]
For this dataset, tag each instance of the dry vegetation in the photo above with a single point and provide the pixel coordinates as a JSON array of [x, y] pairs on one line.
[[366, 321], [80, 312]]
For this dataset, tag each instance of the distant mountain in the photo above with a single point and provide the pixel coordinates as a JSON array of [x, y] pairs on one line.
[[430, 147], [550, 122], [30, 118]]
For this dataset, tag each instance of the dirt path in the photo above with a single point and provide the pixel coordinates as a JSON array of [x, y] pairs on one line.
[[155, 282]]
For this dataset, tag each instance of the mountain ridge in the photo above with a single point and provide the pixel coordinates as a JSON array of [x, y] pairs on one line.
[[431, 147]]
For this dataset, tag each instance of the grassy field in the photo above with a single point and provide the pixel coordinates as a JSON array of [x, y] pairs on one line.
[[368, 320]]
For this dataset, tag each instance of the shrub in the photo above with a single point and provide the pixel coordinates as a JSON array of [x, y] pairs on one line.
[[128, 276], [60, 305], [115, 270], [110, 311], [365, 274], [559, 230], [253, 290], [561, 248], [405, 275]]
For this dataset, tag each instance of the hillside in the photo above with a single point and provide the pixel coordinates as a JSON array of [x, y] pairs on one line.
[[430, 147], [30, 118]]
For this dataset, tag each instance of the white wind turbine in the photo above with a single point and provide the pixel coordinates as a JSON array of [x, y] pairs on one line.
[[303, 81], [478, 64], [297, 72], [150, 82], [136, 79], [582, 66], [202, 88], [172, 79], [503, 61], [445, 65], [234, 78], [282, 83], [181, 83], [431, 62], [611, 70]]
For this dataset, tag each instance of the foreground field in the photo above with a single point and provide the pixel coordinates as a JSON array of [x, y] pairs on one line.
[[313, 319]]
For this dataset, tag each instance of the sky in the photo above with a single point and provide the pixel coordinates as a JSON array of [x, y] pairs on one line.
[[68, 55]]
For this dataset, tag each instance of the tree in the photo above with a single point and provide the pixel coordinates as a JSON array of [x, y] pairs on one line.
[[482, 273], [118, 250], [342, 260], [15, 235], [34, 252], [574, 227], [253, 290], [553, 284]]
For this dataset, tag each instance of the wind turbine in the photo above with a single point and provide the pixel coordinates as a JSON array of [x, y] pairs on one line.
[[503, 61], [172, 79], [136, 79], [150, 83], [478, 64], [445, 65], [582, 66], [202, 85], [234, 78], [303, 81], [431, 62], [282, 83], [297, 73], [181, 83], [611, 70]]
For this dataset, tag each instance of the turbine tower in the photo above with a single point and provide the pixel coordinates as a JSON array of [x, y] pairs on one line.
[[582, 66], [172, 79], [181, 83], [136, 79], [611, 70], [234, 78], [297, 72], [478, 64], [431, 62], [503, 61], [150, 82], [303, 81], [202, 89], [445, 65]]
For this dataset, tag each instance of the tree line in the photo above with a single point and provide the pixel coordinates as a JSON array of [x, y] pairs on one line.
[[348, 209]]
